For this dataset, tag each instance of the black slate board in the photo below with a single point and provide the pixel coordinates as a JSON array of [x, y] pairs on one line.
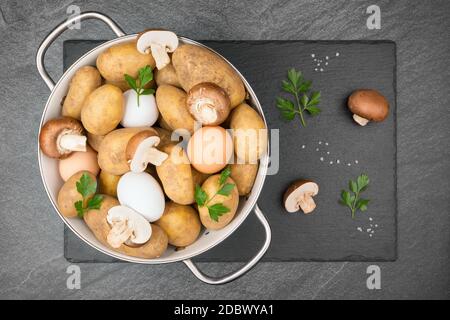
[[329, 234]]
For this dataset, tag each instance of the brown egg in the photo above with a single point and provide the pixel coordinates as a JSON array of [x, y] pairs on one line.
[[79, 161], [210, 149]]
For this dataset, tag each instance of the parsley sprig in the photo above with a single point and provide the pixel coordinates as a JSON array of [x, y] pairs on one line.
[[352, 198], [303, 100], [87, 188], [218, 209], [144, 77]]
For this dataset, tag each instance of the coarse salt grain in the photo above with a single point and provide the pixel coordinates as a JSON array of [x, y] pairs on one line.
[[317, 149], [321, 158], [331, 162], [313, 55], [359, 229], [303, 146], [337, 54]]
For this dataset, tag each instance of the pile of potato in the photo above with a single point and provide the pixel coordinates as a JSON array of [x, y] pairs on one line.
[[95, 100]]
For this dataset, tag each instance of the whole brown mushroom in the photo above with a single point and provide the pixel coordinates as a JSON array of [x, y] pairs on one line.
[[208, 103], [368, 105], [60, 137]]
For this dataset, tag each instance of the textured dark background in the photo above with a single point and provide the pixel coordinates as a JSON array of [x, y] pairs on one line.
[[31, 247], [329, 234]]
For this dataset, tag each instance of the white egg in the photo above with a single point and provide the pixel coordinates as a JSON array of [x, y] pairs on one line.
[[143, 115], [142, 193]]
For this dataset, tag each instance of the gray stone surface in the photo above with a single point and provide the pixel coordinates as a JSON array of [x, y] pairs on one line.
[[31, 246]]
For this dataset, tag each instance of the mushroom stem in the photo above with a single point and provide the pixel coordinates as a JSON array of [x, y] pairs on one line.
[[160, 55], [360, 120], [306, 202], [71, 142], [119, 233]]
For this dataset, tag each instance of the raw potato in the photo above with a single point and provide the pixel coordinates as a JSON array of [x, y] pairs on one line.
[[122, 59], [181, 224], [103, 110], [244, 175], [94, 140], [211, 186], [249, 133], [171, 103], [111, 154], [194, 64], [167, 75], [107, 183], [175, 174], [85, 80], [68, 195], [96, 221]]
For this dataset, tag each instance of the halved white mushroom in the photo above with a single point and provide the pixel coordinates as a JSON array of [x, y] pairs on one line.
[[300, 195], [141, 150], [127, 227], [159, 43]]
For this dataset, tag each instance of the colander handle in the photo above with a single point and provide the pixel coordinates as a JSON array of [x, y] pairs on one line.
[[40, 55], [234, 275]]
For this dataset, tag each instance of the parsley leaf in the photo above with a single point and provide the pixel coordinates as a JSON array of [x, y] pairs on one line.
[[87, 187], [145, 75], [217, 210], [224, 175], [299, 88], [351, 198], [200, 196], [226, 189]]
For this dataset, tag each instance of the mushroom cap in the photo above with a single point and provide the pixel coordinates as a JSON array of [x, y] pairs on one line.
[[52, 130], [163, 37], [135, 140], [208, 103], [369, 104], [295, 190]]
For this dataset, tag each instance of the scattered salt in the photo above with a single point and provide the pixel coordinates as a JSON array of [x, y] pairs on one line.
[[356, 161], [321, 158], [337, 54], [313, 55], [338, 161], [349, 164], [370, 235], [326, 143], [376, 226], [331, 162], [321, 69], [370, 219], [320, 142], [359, 229], [327, 57], [328, 152], [368, 230], [317, 149], [303, 146]]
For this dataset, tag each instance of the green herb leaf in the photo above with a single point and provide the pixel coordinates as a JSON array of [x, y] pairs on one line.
[[285, 105], [145, 76], [86, 186], [361, 204], [217, 210], [298, 88], [363, 181], [200, 196], [295, 77], [226, 189], [131, 82], [304, 101], [224, 175], [313, 110], [315, 98], [146, 92], [352, 198], [95, 202], [353, 186], [304, 87], [79, 207]]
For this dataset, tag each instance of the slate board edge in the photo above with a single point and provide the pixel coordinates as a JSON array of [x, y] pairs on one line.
[[352, 258]]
